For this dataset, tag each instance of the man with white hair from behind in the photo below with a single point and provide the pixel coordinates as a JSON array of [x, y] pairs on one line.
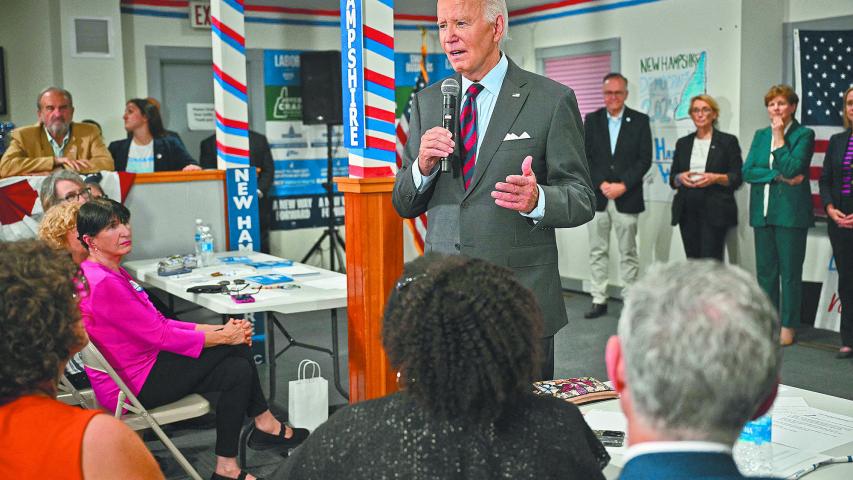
[[696, 356]]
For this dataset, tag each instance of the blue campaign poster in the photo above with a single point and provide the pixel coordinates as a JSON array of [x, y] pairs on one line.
[[299, 151], [407, 67]]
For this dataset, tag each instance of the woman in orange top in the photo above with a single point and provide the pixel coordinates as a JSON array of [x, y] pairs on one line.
[[41, 437]]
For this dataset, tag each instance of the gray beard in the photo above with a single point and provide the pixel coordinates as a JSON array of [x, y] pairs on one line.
[[58, 129]]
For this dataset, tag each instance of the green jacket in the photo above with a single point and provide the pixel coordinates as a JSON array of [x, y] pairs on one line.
[[789, 206]]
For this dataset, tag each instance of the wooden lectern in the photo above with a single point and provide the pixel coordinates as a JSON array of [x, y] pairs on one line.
[[374, 256]]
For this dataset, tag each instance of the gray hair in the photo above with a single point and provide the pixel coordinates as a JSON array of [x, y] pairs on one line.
[[492, 9], [701, 348], [63, 91], [47, 192]]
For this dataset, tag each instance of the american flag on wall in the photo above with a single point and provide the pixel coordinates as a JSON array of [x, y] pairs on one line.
[[417, 226], [823, 67]]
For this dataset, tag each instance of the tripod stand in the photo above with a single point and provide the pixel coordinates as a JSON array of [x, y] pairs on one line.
[[336, 244]]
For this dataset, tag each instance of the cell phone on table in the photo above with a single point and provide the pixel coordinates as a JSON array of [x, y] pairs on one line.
[[610, 438], [242, 298]]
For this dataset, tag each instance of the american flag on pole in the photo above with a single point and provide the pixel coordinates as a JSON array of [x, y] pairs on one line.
[[417, 226], [823, 67]]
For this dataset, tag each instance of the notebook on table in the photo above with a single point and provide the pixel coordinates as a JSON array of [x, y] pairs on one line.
[[578, 390]]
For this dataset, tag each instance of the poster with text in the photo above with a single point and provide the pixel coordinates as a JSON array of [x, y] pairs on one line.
[[407, 68], [299, 151], [666, 85]]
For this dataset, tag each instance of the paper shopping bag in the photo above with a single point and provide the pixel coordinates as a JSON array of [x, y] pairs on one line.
[[308, 397]]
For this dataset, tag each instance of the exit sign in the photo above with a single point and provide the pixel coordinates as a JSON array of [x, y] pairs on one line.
[[200, 15]]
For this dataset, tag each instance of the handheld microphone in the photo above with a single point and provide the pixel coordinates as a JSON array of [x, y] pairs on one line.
[[449, 92]]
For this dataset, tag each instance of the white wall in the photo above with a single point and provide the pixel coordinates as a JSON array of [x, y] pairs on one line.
[[32, 64], [36, 36], [802, 10], [96, 83]]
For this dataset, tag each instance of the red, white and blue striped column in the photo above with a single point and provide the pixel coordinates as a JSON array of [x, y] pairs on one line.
[[230, 95], [367, 71]]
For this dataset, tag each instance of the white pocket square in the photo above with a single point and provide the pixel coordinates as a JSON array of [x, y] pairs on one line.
[[512, 136]]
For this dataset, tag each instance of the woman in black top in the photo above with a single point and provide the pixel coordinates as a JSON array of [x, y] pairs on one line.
[[706, 170], [148, 147], [464, 336], [835, 191]]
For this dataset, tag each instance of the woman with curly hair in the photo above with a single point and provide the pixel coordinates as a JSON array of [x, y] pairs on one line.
[[58, 229], [41, 437], [464, 336], [162, 360]]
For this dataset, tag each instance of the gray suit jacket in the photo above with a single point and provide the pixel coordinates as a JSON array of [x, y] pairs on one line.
[[469, 222]]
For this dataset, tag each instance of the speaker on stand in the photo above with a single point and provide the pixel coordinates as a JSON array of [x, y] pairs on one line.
[[320, 75]]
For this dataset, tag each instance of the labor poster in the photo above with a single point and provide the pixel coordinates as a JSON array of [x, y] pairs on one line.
[[299, 151]]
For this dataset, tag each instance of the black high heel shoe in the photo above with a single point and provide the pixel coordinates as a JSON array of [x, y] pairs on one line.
[[259, 440]]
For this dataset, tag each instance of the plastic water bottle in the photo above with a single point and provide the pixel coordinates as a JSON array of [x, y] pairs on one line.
[[206, 246], [198, 224], [753, 451]]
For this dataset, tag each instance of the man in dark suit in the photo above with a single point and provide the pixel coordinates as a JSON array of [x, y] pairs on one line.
[[518, 170], [619, 152], [696, 356], [260, 156]]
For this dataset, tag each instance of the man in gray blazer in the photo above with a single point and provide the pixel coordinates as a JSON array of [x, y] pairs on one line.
[[518, 169]]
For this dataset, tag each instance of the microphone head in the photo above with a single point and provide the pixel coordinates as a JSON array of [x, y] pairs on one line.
[[450, 87]]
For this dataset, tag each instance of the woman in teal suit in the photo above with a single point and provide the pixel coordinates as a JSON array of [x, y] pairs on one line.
[[780, 206]]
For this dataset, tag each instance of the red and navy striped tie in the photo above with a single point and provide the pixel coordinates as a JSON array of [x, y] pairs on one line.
[[468, 129]]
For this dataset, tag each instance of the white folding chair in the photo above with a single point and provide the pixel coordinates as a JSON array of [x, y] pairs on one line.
[[68, 394], [138, 417]]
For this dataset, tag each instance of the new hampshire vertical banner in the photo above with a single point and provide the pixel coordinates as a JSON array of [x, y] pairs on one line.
[[244, 230]]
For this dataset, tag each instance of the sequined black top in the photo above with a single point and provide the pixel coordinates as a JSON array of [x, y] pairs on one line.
[[394, 437]]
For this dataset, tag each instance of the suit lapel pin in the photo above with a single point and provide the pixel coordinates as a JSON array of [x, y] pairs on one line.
[[516, 95], [628, 119]]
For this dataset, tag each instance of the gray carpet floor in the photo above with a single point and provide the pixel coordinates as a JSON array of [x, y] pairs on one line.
[[579, 351]]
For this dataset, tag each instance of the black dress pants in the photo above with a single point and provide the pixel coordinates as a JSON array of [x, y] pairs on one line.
[[842, 248], [547, 369], [700, 238], [227, 369]]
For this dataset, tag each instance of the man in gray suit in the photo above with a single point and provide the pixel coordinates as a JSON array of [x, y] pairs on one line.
[[518, 168]]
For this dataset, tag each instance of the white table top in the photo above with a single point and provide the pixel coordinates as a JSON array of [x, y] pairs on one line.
[[307, 298], [814, 399]]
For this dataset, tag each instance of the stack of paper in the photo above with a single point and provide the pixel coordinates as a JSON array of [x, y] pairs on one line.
[[801, 433]]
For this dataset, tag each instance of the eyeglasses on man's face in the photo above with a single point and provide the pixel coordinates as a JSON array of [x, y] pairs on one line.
[[85, 193]]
